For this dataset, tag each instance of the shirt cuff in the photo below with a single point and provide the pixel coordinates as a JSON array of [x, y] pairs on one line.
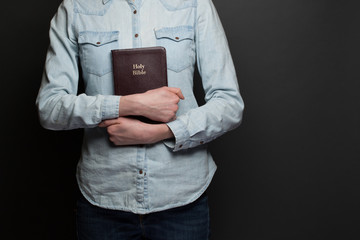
[[110, 107], [182, 136]]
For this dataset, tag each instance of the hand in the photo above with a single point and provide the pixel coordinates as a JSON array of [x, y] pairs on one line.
[[128, 131], [158, 104]]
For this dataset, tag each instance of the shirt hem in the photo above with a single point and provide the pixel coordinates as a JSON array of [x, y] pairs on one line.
[[153, 210]]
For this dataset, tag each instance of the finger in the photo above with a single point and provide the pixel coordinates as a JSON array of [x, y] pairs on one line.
[[177, 91], [107, 123]]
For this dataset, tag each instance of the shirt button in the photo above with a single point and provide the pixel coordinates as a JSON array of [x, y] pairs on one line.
[[141, 172], [202, 142], [135, 12], [136, 35], [181, 146]]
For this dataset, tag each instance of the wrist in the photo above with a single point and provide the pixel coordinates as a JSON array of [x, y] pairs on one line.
[[129, 105], [160, 132]]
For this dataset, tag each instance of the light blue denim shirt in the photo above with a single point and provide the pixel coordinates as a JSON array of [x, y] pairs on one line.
[[140, 179]]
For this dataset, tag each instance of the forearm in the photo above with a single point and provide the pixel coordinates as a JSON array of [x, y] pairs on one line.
[[127, 131]]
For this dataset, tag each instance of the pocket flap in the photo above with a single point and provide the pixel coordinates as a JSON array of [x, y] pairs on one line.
[[178, 33], [98, 38]]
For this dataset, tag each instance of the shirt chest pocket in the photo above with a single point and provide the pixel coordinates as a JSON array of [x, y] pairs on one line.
[[95, 51], [179, 44]]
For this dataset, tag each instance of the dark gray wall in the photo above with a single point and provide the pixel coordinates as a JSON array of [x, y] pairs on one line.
[[291, 171]]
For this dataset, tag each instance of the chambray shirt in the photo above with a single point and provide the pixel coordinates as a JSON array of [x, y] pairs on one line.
[[140, 178]]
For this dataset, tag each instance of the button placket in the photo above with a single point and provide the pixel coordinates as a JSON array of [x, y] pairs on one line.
[[141, 167], [140, 184], [141, 176], [136, 25]]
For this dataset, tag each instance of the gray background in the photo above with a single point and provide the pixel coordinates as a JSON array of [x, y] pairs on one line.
[[290, 171]]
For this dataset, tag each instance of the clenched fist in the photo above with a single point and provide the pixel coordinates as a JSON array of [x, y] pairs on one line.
[[158, 104]]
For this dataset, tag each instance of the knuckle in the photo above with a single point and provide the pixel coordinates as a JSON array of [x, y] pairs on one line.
[[169, 119], [110, 130]]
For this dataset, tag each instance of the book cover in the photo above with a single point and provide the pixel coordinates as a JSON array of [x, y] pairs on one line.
[[138, 70]]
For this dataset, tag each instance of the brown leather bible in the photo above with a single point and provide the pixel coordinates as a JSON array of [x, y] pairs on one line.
[[138, 70]]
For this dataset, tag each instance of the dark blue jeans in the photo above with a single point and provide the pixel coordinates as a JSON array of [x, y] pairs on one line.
[[190, 222]]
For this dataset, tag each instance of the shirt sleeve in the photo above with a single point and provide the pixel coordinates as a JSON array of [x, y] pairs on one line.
[[59, 106], [224, 105]]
